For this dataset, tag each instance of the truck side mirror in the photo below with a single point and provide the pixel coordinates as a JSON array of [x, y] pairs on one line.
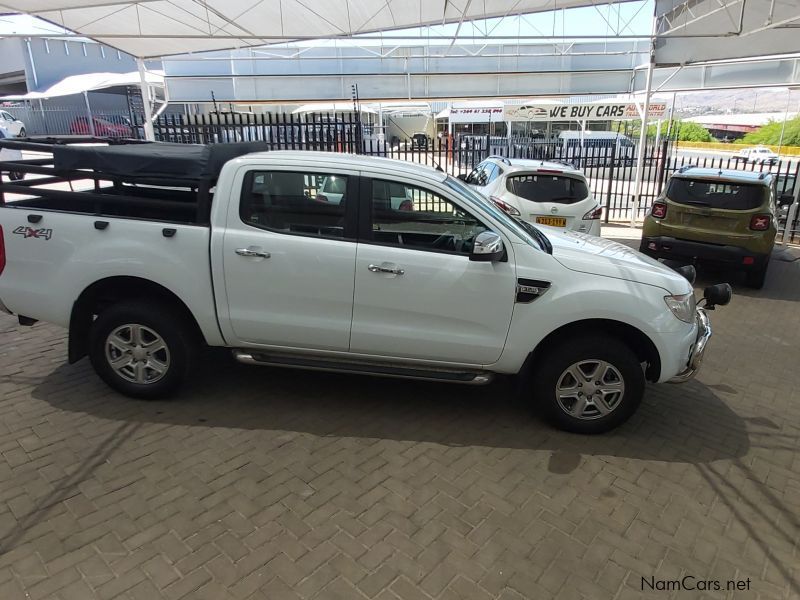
[[462, 177], [488, 247]]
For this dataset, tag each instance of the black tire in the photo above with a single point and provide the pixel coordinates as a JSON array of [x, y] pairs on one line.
[[555, 361], [177, 336], [755, 278], [16, 175], [22, 133]]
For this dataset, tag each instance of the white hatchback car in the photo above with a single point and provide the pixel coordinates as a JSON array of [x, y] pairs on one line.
[[12, 124], [539, 192]]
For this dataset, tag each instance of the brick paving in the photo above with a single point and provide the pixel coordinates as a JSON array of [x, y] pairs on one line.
[[267, 483]]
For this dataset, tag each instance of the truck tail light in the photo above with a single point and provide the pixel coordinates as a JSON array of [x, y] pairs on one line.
[[593, 214], [2, 251], [760, 222], [659, 210], [504, 206]]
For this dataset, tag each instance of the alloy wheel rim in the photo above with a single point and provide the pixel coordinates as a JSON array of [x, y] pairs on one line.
[[137, 354], [590, 389]]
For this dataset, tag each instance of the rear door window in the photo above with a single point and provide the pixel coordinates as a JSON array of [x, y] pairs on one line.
[[292, 202], [715, 194], [546, 187]]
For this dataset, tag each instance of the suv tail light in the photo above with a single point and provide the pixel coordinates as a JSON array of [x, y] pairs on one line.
[[504, 206], [2, 251], [659, 210], [760, 222], [593, 214]]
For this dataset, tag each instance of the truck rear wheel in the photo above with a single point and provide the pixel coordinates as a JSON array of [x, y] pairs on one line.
[[140, 349], [589, 384]]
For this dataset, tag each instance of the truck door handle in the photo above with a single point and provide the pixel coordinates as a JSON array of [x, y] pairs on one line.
[[250, 252], [386, 269]]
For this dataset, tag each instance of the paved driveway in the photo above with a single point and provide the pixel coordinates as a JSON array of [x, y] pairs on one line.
[[267, 483]]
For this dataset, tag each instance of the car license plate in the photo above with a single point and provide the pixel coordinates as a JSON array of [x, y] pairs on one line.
[[552, 221]]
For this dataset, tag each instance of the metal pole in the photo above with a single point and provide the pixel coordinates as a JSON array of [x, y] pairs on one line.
[[792, 213], [90, 119], [785, 116], [149, 134], [671, 113], [637, 188], [658, 132]]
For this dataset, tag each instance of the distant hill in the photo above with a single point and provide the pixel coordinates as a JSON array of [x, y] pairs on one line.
[[735, 101]]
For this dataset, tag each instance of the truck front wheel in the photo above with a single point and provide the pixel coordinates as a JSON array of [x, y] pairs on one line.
[[589, 384], [141, 349]]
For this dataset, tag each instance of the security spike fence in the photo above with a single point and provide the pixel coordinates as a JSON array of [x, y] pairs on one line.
[[67, 120], [609, 165]]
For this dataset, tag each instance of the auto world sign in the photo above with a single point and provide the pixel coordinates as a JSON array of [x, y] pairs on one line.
[[596, 111]]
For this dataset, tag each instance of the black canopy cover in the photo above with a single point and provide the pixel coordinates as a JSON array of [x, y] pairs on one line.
[[153, 160]]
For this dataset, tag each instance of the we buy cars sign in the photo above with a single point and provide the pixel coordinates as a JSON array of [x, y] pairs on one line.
[[596, 111]]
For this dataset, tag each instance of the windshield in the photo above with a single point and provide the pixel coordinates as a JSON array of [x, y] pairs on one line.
[[544, 187], [715, 194], [511, 223]]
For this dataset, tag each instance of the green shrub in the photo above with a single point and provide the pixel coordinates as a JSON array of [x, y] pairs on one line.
[[770, 134]]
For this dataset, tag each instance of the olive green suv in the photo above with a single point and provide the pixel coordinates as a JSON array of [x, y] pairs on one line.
[[715, 216]]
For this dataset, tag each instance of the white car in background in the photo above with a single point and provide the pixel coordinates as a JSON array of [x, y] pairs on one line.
[[759, 155], [539, 192], [12, 124], [9, 154]]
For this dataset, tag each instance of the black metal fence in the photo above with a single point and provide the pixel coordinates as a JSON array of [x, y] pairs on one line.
[[608, 164]]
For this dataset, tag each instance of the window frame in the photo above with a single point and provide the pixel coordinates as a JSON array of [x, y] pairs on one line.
[[365, 214], [351, 207], [479, 168]]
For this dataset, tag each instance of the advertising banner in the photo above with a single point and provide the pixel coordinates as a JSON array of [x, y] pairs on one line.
[[485, 114], [595, 111]]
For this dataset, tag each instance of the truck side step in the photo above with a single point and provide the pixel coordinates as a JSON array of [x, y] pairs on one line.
[[295, 361]]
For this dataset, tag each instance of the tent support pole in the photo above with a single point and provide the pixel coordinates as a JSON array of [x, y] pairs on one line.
[[90, 119], [637, 188], [149, 134]]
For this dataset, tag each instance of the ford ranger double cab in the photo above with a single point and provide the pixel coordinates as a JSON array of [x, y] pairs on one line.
[[170, 247]]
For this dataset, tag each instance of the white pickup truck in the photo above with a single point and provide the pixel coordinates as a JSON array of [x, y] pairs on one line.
[[177, 246]]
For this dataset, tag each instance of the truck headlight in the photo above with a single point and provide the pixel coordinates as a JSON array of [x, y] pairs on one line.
[[682, 306]]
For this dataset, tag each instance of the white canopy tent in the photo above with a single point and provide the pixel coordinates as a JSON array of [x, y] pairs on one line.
[[88, 82], [323, 107], [162, 27]]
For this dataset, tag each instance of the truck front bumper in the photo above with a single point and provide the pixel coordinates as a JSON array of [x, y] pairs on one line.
[[697, 350]]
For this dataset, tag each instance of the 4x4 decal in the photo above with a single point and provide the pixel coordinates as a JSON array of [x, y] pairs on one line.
[[30, 232]]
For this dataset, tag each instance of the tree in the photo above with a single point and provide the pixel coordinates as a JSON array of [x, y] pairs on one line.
[[770, 134]]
